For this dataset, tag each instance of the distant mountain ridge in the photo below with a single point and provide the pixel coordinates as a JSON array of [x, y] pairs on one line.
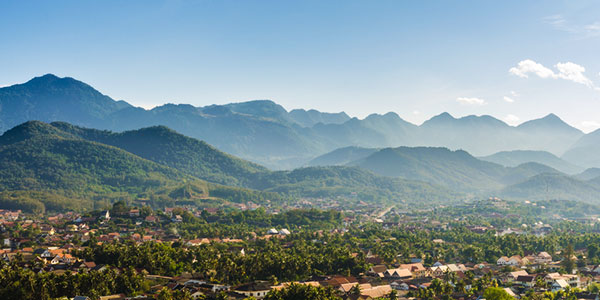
[[265, 132], [517, 157], [456, 169], [521, 178]]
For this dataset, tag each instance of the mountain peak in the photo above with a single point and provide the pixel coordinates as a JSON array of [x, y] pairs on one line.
[[444, 117], [549, 121], [552, 117], [51, 79], [46, 77], [29, 130]]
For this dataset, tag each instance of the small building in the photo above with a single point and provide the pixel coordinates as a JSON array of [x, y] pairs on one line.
[[257, 290]]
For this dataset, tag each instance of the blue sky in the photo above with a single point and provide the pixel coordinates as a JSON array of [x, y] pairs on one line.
[[515, 60]]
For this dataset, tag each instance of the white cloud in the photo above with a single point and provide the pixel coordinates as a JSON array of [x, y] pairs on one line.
[[511, 119], [514, 94], [573, 72], [470, 101], [567, 71], [416, 112], [529, 66], [509, 99]]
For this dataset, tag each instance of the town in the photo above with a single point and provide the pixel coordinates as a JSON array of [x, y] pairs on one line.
[[187, 253]]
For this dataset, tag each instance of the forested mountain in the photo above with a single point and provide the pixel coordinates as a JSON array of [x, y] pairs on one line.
[[165, 146], [36, 157], [59, 165], [265, 132], [456, 169], [342, 156], [554, 186], [586, 151], [588, 174], [50, 98], [356, 183], [43, 166], [311, 117], [517, 157]]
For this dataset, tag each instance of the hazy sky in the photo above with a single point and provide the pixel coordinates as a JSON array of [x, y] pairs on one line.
[[515, 60]]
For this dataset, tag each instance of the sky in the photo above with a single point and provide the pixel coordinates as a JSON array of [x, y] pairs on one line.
[[514, 60]]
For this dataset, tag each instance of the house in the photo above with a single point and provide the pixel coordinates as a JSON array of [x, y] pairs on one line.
[[397, 285], [377, 270], [346, 287], [438, 271], [213, 287], [398, 274], [416, 269], [376, 292], [559, 284], [570, 279], [514, 260], [51, 253], [63, 259], [134, 213], [151, 219], [337, 281], [257, 290], [527, 281], [87, 265], [542, 258], [512, 276], [197, 242]]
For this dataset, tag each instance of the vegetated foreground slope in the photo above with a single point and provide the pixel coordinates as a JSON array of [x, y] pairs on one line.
[[165, 146], [43, 167]]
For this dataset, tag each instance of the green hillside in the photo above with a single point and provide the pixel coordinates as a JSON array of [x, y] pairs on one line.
[[554, 187], [352, 182], [42, 167], [456, 169], [342, 156], [167, 147]]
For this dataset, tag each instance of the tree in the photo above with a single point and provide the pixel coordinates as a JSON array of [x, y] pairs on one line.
[[568, 263], [165, 294], [496, 293], [302, 292]]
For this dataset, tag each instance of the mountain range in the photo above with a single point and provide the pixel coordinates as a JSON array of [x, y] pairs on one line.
[[92, 150], [460, 171], [264, 132], [61, 166]]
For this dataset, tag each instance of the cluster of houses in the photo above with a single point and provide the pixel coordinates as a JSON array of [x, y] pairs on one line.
[[51, 250], [542, 258]]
